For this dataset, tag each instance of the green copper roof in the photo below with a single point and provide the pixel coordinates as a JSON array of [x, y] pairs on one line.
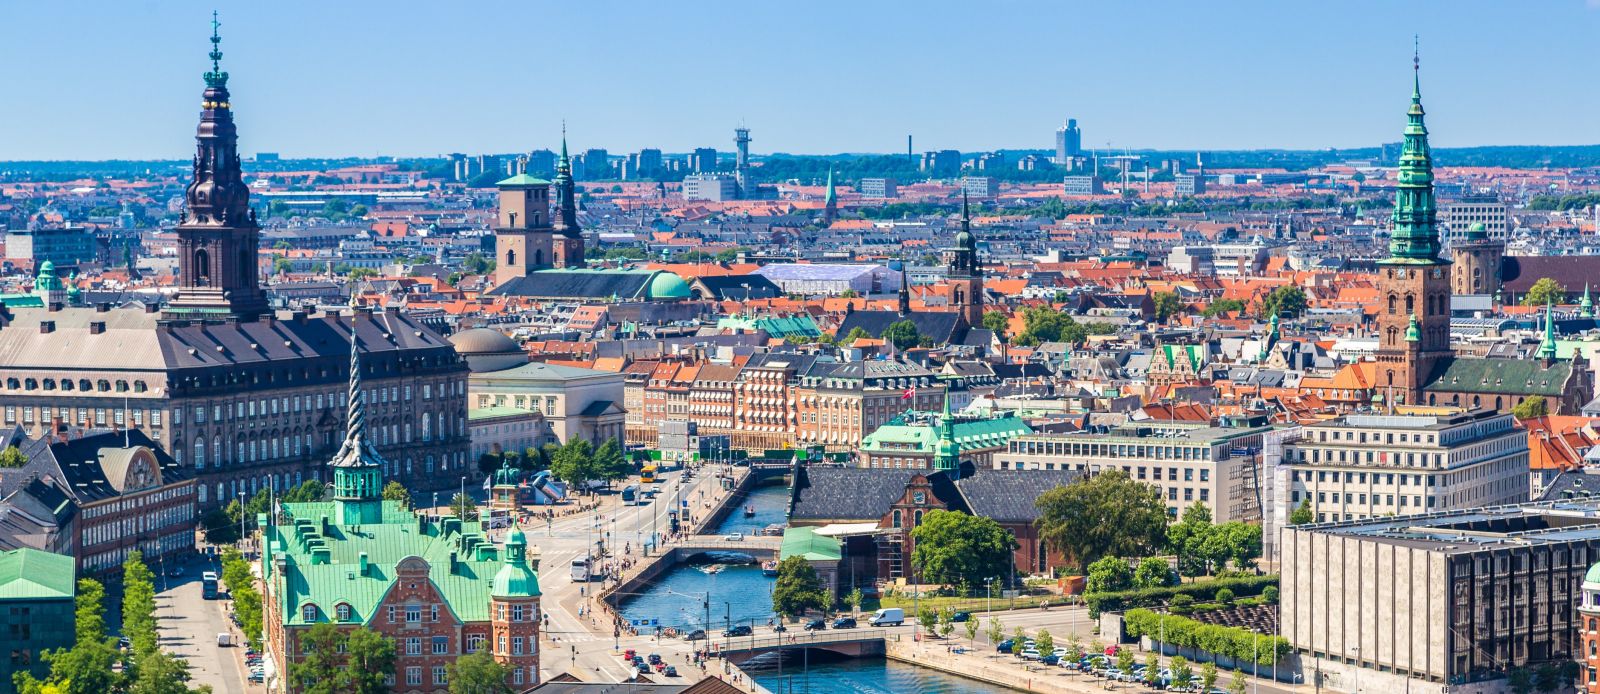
[[667, 285], [31, 574], [831, 196], [1593, 575], [1413, 333], [1497, 376], [806, 543], [521, 179], [1415, 238], [898, 437], [1476, 232], [1547, 348], [779, 327], [515, 579]]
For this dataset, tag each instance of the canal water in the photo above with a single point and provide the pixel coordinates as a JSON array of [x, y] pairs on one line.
[[738, 594]]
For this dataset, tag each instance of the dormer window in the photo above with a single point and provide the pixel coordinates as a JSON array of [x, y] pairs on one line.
[[342, 611], [308, 613]]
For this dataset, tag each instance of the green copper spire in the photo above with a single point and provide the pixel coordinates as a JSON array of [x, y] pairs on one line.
[[1413, 332], [1586, 304], [947, 455], [831, 197], [1547, 347], [216, 78], [515, 579], [1415, 238]]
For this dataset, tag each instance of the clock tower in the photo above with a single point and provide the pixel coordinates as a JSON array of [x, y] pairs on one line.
[[1413, 282]]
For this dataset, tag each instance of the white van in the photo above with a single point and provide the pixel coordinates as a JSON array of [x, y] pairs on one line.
[[888, 617]]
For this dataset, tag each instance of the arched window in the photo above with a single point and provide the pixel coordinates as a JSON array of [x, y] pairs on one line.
[[538, 257], [201, 490], [199, 453], [342, 611], [217, 450], [1392, 304], [308, 613], [1411, 305], [202, 267], [427, 426], [511, 258], [916, 518], [897, 518]]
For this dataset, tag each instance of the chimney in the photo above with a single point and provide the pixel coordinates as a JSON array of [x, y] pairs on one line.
[[55, 306], [102, 307], [97, 327], [152, 307], [361, 563], [46, 327], [452, 563]]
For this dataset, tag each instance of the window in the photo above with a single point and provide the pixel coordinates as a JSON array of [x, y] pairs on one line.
[[516, 645], [413, 613], [441, 645], [433, 613], [474, 642], [342, 611], [413, 676], [440, 676], [414, 645], [308, 613]]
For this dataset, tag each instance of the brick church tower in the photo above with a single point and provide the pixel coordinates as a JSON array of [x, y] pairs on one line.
[[964, 274], [1413, 282]]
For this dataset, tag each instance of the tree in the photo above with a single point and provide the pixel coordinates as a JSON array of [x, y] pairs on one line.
[[1043, 324], [1520, 681], [1269, 595], [464, 507], [849, 294], [1018, 642], [797, 588], [1208, 676], [362, 273], [476, 264], [478, 673], [928, 618], [139, 605], [947, 622], [1182, 674], [370, 656], [996, 322], [1102, 514], [396, 492], [608, 462], [1108, 574], [952, 547], [1152, 573], [1531, 407], [321, 669], [1187, 538], [88, 667], [1545, 291], [1237, 685], [997, 630], [1125, 659], [241, 585], [281, 265], [309, 491], [1225, 596], [12, 457], [1152, 667], [971, 625], [1167, 305], [1221, 306], [1044, 642], [158, 672], [573, 463], [853, 599], [1241, 543], [1287, 301], [1302, 514], [855, 333], [902, 334]]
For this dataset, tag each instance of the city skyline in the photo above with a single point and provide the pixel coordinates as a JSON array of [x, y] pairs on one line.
[[1180, 81]]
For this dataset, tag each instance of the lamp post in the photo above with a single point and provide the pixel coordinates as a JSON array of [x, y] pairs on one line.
[[241, 519]]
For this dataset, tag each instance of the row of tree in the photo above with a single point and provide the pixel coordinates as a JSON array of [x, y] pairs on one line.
[[94, 664]]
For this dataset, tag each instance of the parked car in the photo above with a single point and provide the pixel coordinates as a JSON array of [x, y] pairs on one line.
[[844, 623], [961, 616], [816, 625], [696, 635], [737, 630], [1030, 653], [1050, 659], [1005, 646]]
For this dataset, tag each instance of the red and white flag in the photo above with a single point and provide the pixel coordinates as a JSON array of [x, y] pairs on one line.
[[910, 392]]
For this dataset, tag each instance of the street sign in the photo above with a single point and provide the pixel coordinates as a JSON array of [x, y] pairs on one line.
[[652, 622]]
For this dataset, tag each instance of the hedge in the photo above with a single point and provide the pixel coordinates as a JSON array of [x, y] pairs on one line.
[[1238, 643], [1112, 601]]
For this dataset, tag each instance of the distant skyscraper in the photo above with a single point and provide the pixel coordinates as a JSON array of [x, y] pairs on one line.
[[741, 165], [644, 164], [703, 160], [1069, 142], [945, 162], [541, 161], [596, 164]]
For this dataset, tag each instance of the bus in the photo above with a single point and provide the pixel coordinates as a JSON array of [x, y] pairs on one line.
[[630, 494], [208, 585], [647, 475], [582, 569]]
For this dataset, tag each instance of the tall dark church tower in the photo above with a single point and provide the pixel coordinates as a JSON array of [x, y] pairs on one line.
[[567, 245], [963, 273], [218, 239], [1414, 283]]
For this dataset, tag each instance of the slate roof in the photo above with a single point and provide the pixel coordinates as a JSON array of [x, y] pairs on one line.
[[943, 327], [825, 493], [74, 467], [578, 284], [1518, 273], [1502, 376], [1008, 496], [740, 287]]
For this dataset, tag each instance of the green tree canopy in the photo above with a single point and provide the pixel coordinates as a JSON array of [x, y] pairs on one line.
[[12, 457], [1167, 305], [1531, 407], [996, 322], [1152, 573], [1107, 574], [855, 333], [1287, 301], [797, 588], [139, 604], [902, 334], [1545, 291], [609, 463], [1103, 514], [574, 462], [1302, 514], [952, 548], [394, 491], [1221, 306], [478, 673], [88, 667]]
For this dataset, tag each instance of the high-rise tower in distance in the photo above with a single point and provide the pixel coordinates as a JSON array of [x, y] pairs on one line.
[[741, 164], [1069, 142]]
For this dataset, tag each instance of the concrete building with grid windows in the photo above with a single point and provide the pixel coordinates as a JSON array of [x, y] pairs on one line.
[[1219, 466], [1366, 466]]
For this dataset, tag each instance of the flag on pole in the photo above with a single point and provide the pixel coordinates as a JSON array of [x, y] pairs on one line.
[[486, 483], [910, 392]]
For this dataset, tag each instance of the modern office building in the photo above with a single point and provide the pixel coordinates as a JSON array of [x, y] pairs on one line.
[[1083, 185], [703, 160], [980, 187], [714, 187], [1069, 142], [943, 163], [1362, 466], [878, 188], [64, 246], [1189, 184], [596, 165], [36, 610], [541, 162], [1219, 466], [1433, 602], [1458, 216]]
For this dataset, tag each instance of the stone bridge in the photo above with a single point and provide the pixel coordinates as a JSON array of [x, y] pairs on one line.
[[850, 642]]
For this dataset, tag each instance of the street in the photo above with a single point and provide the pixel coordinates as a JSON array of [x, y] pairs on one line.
[[189, 625]]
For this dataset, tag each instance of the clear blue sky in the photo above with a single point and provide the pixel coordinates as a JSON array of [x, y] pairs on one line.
[[100, 79]]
